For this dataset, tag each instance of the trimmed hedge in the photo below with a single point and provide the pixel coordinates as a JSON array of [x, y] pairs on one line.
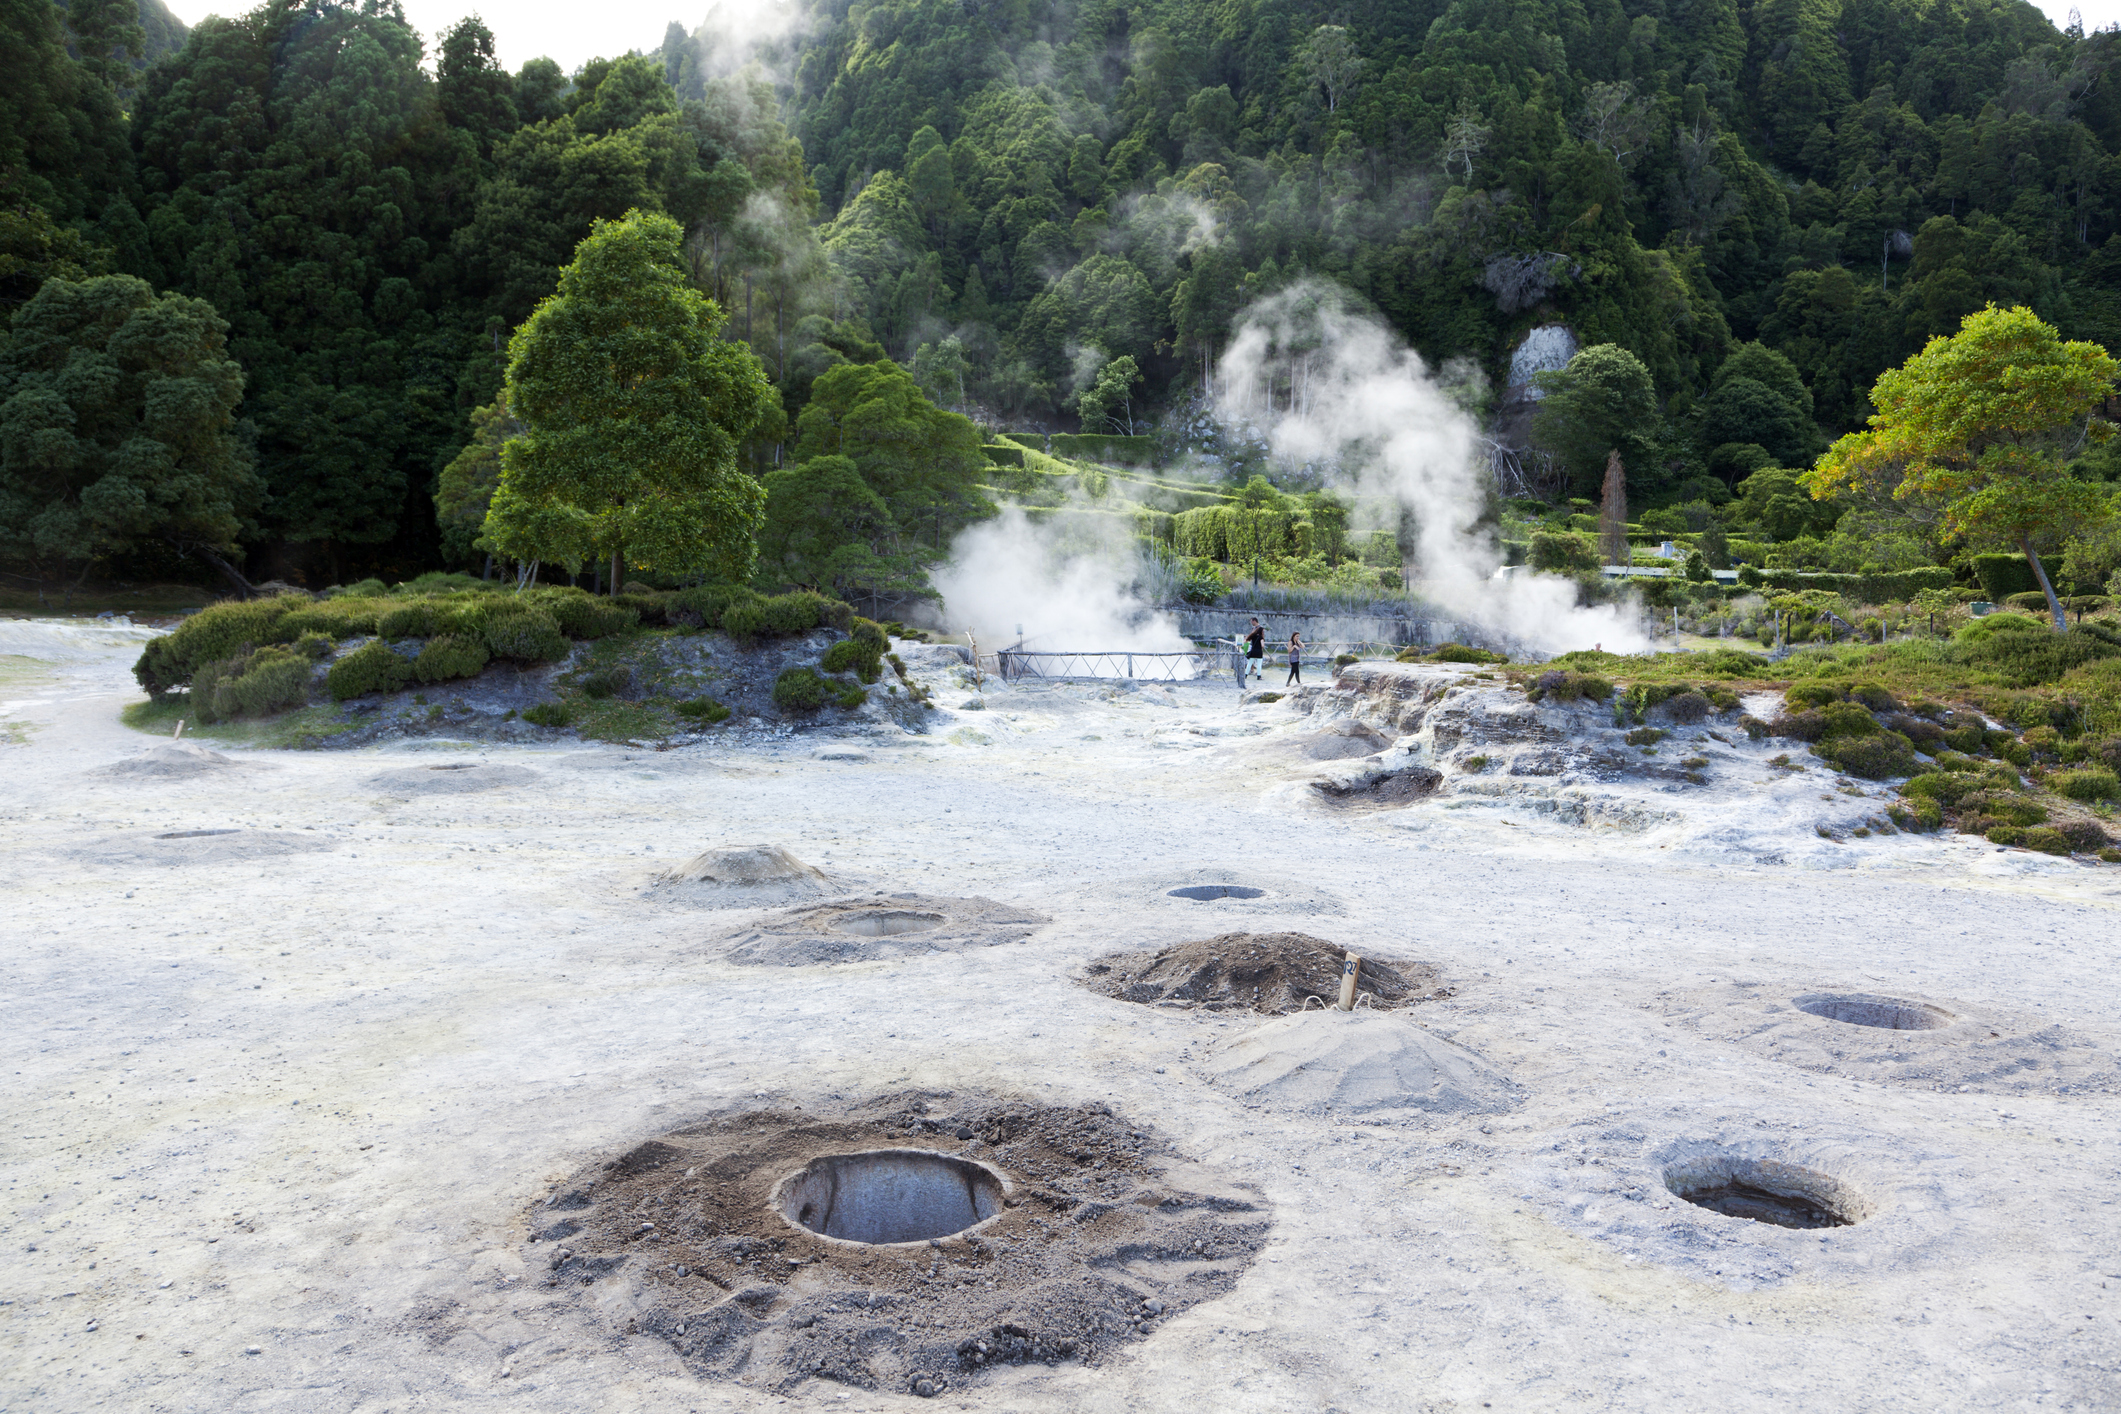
[[1890, 588], [1097, 447], [2005, 573]]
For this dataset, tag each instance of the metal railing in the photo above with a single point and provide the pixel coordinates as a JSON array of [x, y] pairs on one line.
[[1027, 665]]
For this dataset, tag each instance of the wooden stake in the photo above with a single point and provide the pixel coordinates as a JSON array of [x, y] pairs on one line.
[[178, 734], [1348, 973]]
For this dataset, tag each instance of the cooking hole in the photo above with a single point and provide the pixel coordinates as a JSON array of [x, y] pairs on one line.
[[890, 1195], [1885, 1013], [1202, 893], [887, 923]]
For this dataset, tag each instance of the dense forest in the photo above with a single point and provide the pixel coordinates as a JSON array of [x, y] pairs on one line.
[[1043, 218]]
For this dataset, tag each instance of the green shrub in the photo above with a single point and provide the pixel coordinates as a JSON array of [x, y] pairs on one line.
[[359, 589], [414, 620], [707, 604], [1874, 697], [1646, 736], [798, 690], [854, 655], [785, 614], [1564, 685], [1688, 708], [1846, 719], [1950, 787], [1563, 554], [1800, 726], [704, 710], [1342, 660], [2005, 834], [1967, 739], [1920, 815], [2111, 856], [869, 631], [521, 631], [2032, 603], [1755, 729], [2023, 653], [1721, 698], [583, 615], [215, 633], [450, 655], [1811, 694], [549, 714], [373, 667], [2047, 840], [1875, 757], [1461, 653], [2004, 805], [1203, 583], [2092, 783], [314, 646], [443, 582], [2004, 574], [336, 619], [851, 696], [2084, 835]]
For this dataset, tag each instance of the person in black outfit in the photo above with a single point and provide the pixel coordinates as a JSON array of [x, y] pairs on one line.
[[1296, 658], [1256, 649]]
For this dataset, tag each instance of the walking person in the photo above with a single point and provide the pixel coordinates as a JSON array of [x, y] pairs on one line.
[[1256, 650], [1296, 658]]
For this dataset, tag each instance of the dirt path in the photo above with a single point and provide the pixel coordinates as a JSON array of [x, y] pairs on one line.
[[282, 1098]]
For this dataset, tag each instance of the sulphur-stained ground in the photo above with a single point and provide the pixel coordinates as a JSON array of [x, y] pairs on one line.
[[314, 1063]]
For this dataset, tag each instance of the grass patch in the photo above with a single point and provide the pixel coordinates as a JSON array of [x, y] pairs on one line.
[[298, 730]]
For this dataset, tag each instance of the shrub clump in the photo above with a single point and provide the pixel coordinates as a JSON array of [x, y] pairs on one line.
[[1875, 757], [1453, 653], [2091, 783], [214, 634], [373, 667], [704, 710], [522, 631], [250, 685], [2047, 840], [1811, 694], [798, 690], [1563, 685], [785, 614], [1689, 707], [580, 614], [450, 655], [549, 714]]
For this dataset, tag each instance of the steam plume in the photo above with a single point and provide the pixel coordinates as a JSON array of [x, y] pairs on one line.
[[1332, 386]]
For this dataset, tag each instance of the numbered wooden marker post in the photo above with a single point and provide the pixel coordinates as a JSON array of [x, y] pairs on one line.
[[1348, 973]]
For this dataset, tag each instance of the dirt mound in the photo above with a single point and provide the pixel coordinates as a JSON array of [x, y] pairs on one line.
[[452, 778], [186, 848], [749, 876], [1090, 1245], [1357, 1062], [879, 926], [173, 761], [1271, 973]]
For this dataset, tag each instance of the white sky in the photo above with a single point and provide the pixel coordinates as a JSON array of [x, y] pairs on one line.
[[574, 35], [571, 33]]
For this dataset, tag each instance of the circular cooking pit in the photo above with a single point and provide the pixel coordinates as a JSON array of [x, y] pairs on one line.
[[908, 1243], [887, 922], [194, 834], [1205, 893], [1766, 1191], [890, 1195], [1269, 973], [876, 928], [1883, 1013]]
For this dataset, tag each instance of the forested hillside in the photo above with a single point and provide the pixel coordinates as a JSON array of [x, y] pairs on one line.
[[1049, 215]]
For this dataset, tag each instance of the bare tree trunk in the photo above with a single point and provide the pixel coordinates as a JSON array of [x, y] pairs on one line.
[[616, 570], [243, 587], [2054, 605], [1613, 513]]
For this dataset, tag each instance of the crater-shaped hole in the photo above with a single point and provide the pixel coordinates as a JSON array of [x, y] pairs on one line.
[[454, 766], [1885, 1013], [194, 834], [889, 1195], [887, 923], [1202, 893], [1767, 1191]]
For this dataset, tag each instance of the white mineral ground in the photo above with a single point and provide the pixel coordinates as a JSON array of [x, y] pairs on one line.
[[274, 1120]]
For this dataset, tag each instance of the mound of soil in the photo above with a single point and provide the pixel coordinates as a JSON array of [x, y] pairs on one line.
[[749, 876], [1264, 972], [1092, 1248], [1357, 1062], [879, 926], [181, 848], [452, 778], [174, 761]]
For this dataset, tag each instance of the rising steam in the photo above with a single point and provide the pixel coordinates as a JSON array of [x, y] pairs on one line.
[[1070, 584], [1333, 387]]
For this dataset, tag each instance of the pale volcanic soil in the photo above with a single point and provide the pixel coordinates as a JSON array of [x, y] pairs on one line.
[[294, 1113]]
